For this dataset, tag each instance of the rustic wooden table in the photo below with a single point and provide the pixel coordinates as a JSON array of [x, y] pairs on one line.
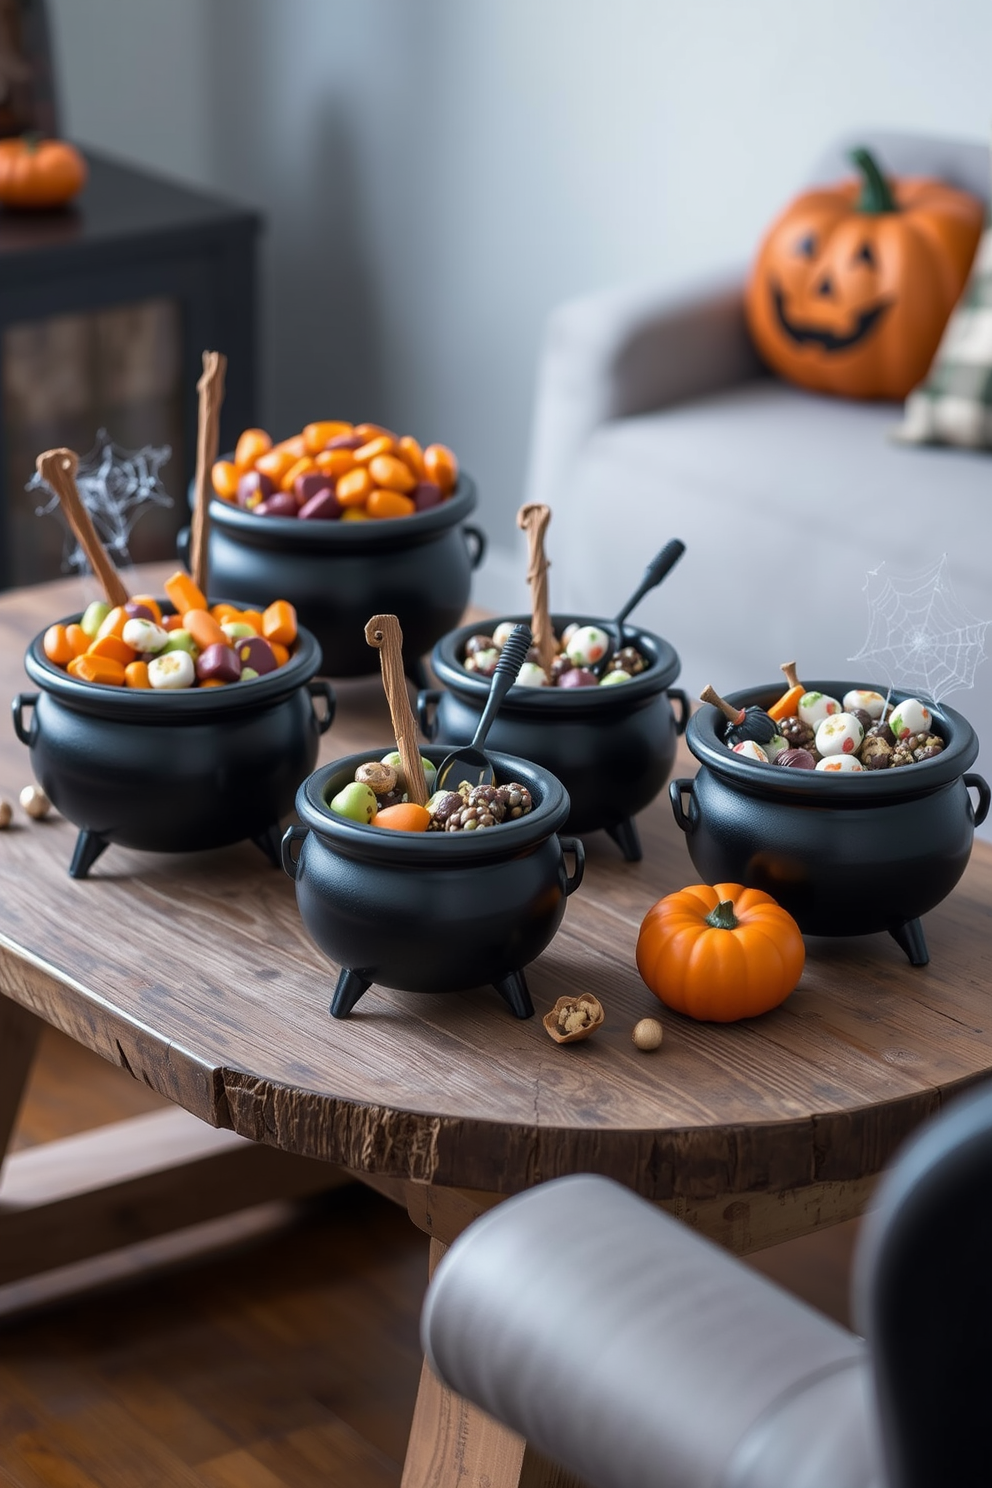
[[195, 974]]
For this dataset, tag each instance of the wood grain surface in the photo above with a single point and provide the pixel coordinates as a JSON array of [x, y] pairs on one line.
[[195, 973]]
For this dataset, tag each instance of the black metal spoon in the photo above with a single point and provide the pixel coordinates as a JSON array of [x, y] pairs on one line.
[[469, 763], [656, 570]]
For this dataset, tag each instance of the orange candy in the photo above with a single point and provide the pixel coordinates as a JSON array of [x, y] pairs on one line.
[[57, 646], [252, 444], [204, 629], [353, 489], [383, 444], [306, 466], [77, 638], [409, 450], [102, 669], [441, 467], [225, 477], [335, 462], [279, 622], [114, 647], [405, 816], [185, 595], [317, 436], [136, 674], [382, 504], [275, 463], [393, 473]]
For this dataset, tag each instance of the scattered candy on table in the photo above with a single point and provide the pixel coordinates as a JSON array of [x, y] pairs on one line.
[[136, 645], [336, 471], [647, 1034], [577, 650], [34, 802]]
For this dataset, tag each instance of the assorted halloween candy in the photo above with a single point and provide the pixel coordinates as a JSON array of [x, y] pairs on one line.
[[336, 471], [137, 645], [574, 654], [378, 796], [812, 731]]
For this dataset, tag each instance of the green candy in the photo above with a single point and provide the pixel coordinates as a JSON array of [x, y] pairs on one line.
[[237, 630], [94, 616], [355, 801], [395, 761], [181, 640], [613, 678]]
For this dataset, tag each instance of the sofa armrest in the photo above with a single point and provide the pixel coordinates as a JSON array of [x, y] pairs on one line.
[[638, 1355], [627, 351]]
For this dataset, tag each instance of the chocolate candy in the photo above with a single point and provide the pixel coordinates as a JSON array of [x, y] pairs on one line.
[[218, 663], [279, 504], [253, 489], [426, 495], [135, 610], [305, 487], [796, 759], [478, 643], [578, 676], [257, 654]]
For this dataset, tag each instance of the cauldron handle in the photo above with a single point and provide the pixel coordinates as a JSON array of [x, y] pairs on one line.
[[574, 846], [978, 783], [183, 539], [29, 700], [676, 790], [676, 695], [477, 543], [291, 835], [427, 702], [318, 687]]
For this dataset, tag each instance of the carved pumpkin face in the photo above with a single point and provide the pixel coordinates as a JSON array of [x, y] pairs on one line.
[[850, 295]]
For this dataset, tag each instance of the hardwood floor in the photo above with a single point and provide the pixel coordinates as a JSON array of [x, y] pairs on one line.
[[285, 1356]]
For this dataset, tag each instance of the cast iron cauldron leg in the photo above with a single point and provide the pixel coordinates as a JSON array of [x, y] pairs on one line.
[[347, 992], [269, 842], [626, 837], [912, 940], [417, 672], [89, 846], [513, 989]]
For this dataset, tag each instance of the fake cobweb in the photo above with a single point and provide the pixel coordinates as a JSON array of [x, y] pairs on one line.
[[920, 637], [116, 486]]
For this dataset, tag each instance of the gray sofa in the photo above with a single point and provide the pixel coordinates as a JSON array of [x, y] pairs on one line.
[[654, 419]]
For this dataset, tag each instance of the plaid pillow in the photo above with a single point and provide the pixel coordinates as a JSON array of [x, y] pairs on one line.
[[954, 404]]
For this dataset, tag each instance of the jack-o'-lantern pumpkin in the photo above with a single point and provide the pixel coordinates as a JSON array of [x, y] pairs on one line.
[[854, 283]]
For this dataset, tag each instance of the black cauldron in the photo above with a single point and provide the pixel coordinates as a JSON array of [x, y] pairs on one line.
[[611, 747], [338, 574], [173, 771], [848, 854], [431, 911]]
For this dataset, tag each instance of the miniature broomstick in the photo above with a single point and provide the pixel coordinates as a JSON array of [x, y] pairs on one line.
[[743, 723], [383, 632], [787, 704], [211, 394], [57, 467], [534, 519]]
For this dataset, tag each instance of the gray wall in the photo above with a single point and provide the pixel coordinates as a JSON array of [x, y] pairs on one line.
[[437, 174]]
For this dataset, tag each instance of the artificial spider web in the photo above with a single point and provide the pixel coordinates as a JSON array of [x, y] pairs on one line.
[[920, 636], [115, 485]]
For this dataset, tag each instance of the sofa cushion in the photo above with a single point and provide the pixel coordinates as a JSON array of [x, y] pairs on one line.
[[785, 500]]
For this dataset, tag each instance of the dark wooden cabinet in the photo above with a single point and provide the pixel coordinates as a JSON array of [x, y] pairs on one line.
[[105, 310]]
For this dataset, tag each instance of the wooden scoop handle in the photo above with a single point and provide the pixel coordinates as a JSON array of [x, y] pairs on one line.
[[211, 392], [57, 467], [727, 709], [534, 519], [383, 632]]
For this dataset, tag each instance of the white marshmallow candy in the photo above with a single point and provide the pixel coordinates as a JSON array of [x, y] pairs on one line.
[[588, 645], [173, 669], [531, 675], [775, 746], [841, 733], [867, 701], [814, 707], [503, 632], [841, 764], [144, 635], [910, 717], [752, 751]]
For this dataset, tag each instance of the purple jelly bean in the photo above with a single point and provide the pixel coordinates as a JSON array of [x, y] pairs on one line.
[[325, 506], [255, 652], [218, 663], [578, 677], [306, 486], [136, 611], [280, 504], [426, 494], [345, 441], [253, 488]]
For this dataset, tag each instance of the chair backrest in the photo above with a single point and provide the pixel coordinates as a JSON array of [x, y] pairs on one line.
[[963, 163], [923, 1299]]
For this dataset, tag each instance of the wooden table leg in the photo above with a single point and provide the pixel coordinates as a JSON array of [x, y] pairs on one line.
[[19, 1034]]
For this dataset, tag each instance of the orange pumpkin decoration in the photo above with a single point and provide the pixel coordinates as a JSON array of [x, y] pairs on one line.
[[854, 283], [37, 173], [720, 952]]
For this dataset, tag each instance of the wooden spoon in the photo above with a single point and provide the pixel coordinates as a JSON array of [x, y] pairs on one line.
[[383, 631], [534, 519], [57, 467], [211, 390]]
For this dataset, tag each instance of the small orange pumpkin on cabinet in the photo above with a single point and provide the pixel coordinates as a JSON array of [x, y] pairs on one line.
[[720, 952], [37, 173], [854, 283]]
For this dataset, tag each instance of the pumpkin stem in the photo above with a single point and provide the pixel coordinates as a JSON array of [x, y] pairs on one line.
[[876, 193], [31, 139], [722, 917]]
